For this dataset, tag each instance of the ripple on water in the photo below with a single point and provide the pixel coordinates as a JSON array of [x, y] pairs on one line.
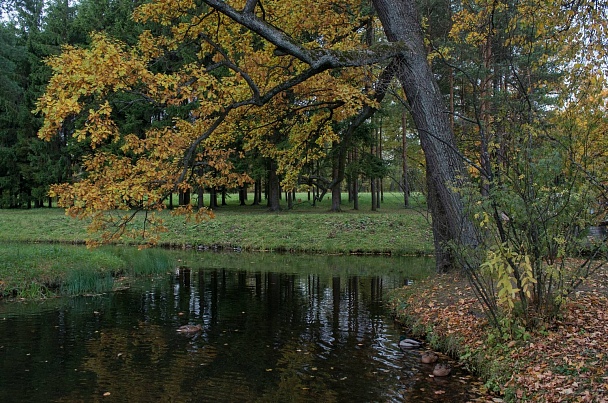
[[266, 337]]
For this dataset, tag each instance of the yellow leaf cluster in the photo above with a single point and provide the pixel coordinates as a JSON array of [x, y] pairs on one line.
[[82, 74], [228, 85], [499, 264]]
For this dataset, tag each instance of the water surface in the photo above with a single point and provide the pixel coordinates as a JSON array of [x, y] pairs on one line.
[[274, 328]]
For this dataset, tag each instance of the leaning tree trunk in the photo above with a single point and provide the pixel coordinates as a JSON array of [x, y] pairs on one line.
[[404, 176], [445, 167]]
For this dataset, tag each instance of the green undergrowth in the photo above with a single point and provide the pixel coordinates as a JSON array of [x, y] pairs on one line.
[[34, 271]]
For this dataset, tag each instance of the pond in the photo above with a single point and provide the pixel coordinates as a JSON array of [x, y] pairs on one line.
[[273, 328]]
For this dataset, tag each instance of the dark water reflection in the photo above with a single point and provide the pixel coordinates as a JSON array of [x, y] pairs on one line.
[[274, 335]]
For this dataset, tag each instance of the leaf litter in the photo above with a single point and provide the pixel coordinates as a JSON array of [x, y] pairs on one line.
[[567, 361]]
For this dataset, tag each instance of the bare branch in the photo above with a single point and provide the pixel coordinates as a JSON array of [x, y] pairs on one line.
[[250, 6], [314, 58]]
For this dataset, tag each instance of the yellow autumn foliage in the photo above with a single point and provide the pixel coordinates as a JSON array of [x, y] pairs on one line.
[[235, 86]]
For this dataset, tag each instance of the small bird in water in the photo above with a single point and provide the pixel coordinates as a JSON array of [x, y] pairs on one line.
[[189, 329], [442, 370], [409, 344], [428, 357]]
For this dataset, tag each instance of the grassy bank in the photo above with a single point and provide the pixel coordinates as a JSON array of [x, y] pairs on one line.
[[37, 260], [33, 271], [312, 229]]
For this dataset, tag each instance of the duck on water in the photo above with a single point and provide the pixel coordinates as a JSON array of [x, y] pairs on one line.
[[427, 357], [188, 329], [409, 344]]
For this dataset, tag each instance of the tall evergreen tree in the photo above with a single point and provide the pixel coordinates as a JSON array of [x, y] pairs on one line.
[[39, 28], [11, 108]]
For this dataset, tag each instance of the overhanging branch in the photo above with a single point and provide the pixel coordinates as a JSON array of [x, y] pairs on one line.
[[318, 58]]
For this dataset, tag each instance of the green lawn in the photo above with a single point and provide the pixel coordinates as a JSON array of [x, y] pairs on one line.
[[392, 229]]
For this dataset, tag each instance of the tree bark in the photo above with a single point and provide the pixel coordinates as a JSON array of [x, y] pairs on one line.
[[445, 168], [355, 182], [372, 190], [483, 118], [274, 190], [289, 198], [257, 192], [379, 185], [404, 177], [338, 170], [213, 198], [242, 195], [200, 202], [224, 191], [184, 198]]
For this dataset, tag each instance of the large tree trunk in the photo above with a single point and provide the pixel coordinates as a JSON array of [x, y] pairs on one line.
[[445, 168], [213, 198], [274, 189], [289, 198], [242, 195], [338, 171], [200, 201], [184, 197]]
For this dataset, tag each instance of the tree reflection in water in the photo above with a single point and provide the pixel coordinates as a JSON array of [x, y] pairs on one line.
[[281, 334]]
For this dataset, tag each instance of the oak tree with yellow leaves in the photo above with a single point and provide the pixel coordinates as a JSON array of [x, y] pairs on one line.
[[250, 72]]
